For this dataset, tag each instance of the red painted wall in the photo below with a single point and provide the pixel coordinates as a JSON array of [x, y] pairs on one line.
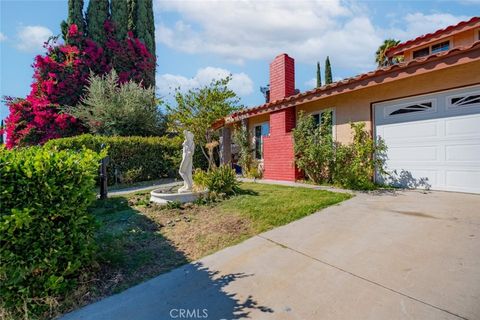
[[282, 77], [278, 152]]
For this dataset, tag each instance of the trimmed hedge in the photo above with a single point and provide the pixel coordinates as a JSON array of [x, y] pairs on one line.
[[46, 233], [132, 159]]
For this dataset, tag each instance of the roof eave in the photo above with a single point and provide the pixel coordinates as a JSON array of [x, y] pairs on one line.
[[407, 45], [340, 86]]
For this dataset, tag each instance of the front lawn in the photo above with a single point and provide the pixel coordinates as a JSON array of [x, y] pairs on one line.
[[138, 240]]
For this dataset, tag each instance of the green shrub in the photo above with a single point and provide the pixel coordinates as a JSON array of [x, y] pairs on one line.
[[113, 109], [350, 166], [355, 163], [219, 180], [314, 148], [132, 159], [46, 232], [255, 171]]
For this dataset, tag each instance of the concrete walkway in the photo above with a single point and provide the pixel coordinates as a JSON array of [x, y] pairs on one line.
[[166, 184], [296, 184], [391, 255]]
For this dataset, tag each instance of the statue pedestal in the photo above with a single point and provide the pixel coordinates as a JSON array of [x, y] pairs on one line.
[[162, 196]]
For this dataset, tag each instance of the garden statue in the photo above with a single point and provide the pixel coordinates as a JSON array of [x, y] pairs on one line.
[[185, 193], [187, 162]]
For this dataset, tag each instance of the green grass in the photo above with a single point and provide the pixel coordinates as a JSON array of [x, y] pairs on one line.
[[269, 206], [138, 240]]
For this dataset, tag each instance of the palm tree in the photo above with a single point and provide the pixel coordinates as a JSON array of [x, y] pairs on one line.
[[380, 57]]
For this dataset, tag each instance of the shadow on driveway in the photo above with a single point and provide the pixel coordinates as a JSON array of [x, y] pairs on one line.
[[189, 292]]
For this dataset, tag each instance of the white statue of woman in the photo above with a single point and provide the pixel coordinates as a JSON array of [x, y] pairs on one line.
[[187, 162]]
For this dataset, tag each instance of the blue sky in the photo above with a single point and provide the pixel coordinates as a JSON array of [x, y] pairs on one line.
[[200, 40]]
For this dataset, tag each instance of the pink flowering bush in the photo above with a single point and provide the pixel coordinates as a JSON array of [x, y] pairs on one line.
[[60, 78]]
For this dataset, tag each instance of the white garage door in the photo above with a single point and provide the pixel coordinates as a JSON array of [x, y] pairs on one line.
[[433, 140]]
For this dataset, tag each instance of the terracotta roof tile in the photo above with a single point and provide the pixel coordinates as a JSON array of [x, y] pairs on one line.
[[310, 93]]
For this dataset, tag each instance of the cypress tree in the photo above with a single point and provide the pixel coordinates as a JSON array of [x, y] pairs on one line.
[[75, 15], [328, 71], [151, 37], [64, 30], [151, 26], [144, 28], [132, 14], [97, 14], [119, 14], [319, 76]]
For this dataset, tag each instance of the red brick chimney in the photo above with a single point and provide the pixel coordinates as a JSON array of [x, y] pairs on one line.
[[282, 77], [278, 153]]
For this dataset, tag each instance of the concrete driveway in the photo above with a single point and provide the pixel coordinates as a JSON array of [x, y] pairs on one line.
[[402, 255]]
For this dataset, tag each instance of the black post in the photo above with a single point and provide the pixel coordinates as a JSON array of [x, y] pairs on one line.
[[103, 177]]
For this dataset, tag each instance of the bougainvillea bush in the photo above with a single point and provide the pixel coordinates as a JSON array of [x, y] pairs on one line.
[[60, 78]]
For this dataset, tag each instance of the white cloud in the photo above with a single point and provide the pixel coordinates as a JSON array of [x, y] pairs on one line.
[[32, 38], [244, 30], [307, 30], [240, 83], [417, 24], [2, 37]]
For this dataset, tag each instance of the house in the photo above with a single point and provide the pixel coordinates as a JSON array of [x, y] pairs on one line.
[[426, 108]]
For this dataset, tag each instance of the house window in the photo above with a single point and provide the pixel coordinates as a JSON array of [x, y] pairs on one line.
[[421, 53], [261, 131], [418, 107], [321, 118], [442, 46]]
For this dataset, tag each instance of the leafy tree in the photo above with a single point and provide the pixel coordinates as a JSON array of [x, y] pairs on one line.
[[328, 71], [196, 109], [75, 16], [97, 14], [127, 109], [380, 57], [319, 75], [119, 16]]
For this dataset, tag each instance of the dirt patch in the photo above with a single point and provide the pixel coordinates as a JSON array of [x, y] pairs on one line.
[[200, 230]]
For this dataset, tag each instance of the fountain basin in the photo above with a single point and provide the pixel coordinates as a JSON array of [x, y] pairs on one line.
[[164, 196]]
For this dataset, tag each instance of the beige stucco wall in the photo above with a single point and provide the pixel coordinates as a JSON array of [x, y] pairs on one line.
[[464, 39], [356, 105], [258, 119]]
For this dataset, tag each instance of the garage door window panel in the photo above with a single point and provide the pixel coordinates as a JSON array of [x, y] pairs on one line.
[[471, 100], [405, 109]]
